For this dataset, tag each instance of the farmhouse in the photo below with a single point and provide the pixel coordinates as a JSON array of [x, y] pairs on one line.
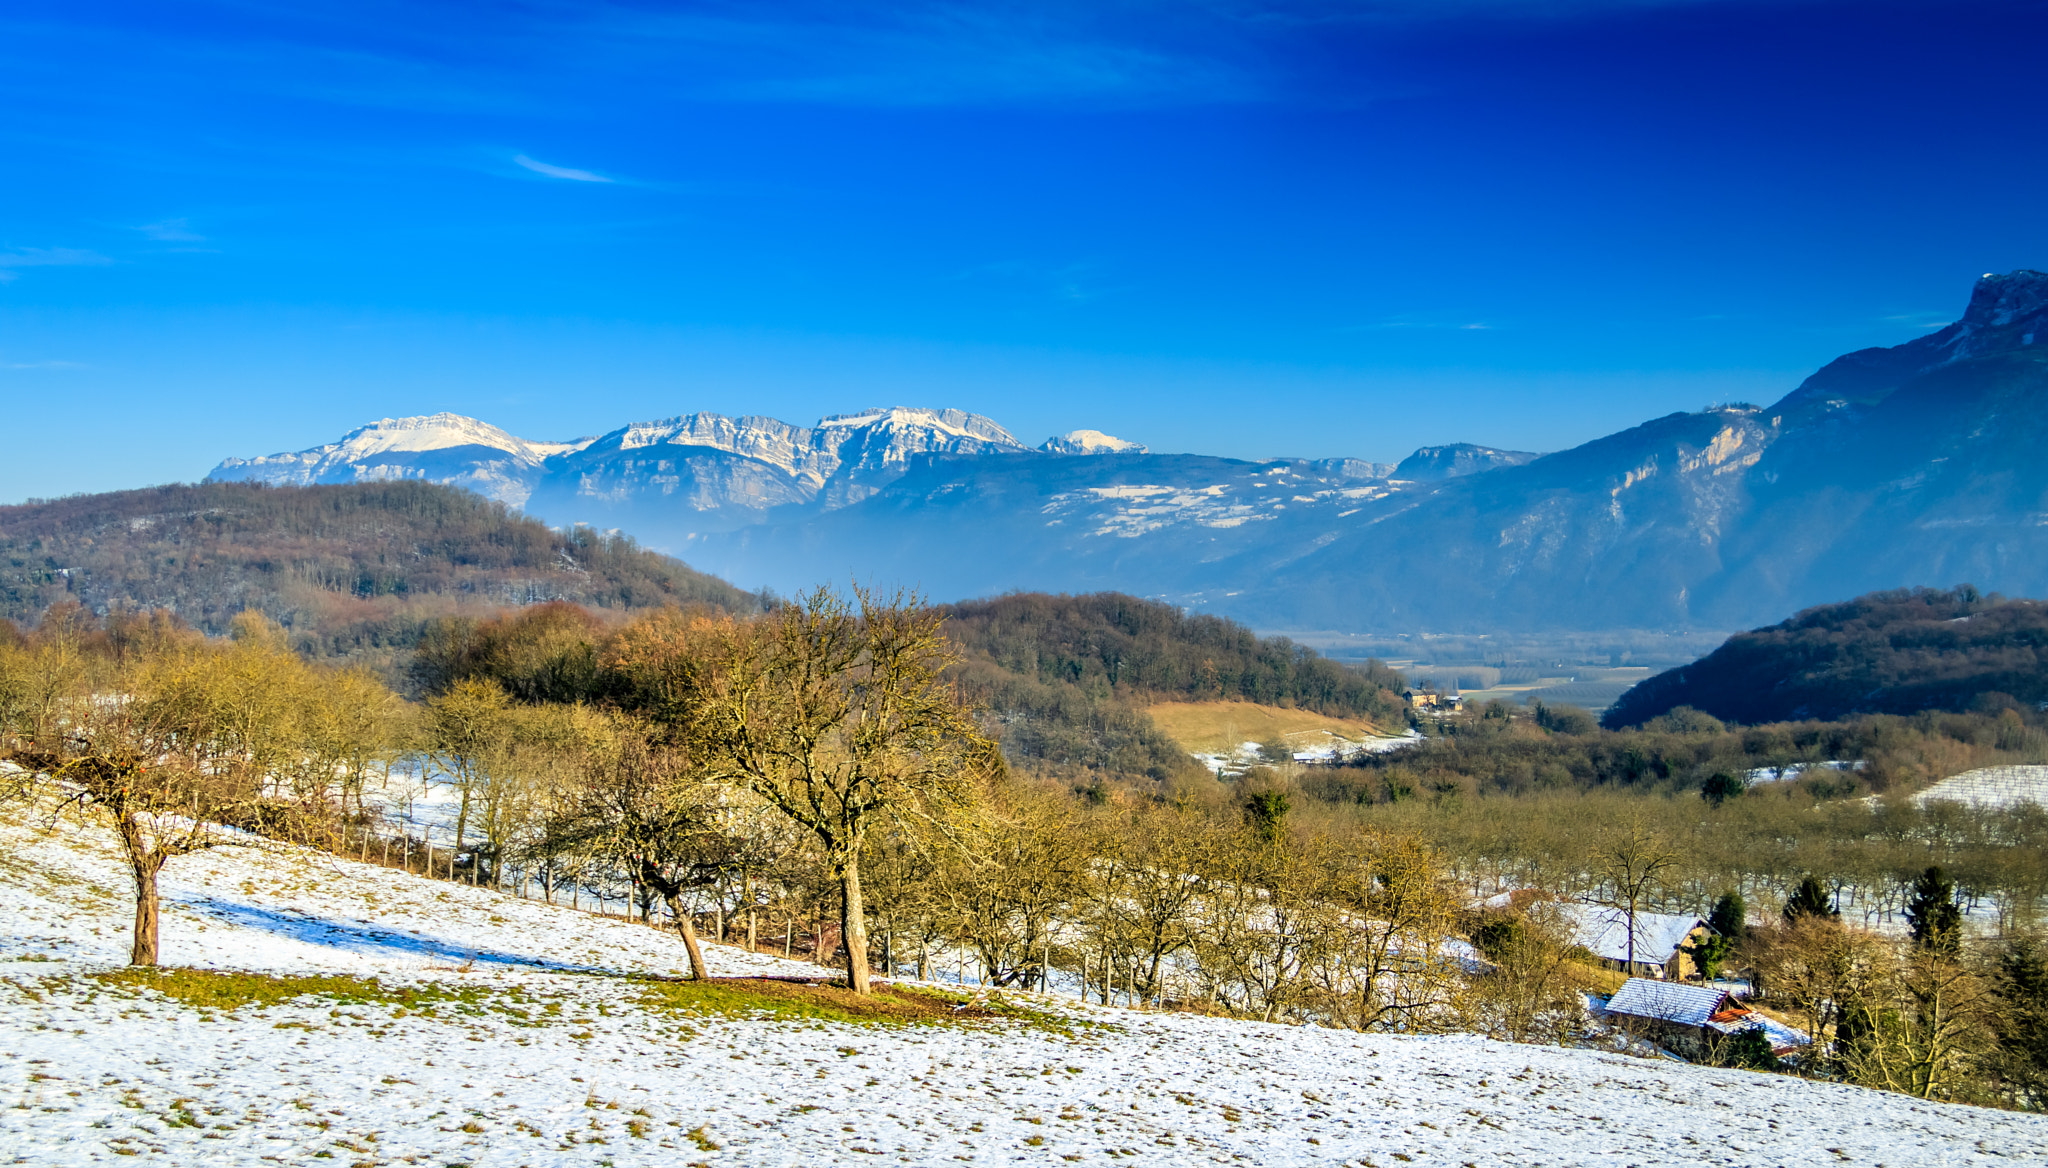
[[1429, 699], [1690, 1020], [1661, 940]]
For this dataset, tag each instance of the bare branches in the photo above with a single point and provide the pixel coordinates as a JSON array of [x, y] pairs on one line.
[[833, 712], [1634, 862], [180, 748]]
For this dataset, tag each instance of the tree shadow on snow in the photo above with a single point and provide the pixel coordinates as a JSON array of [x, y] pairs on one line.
[[370, 940]]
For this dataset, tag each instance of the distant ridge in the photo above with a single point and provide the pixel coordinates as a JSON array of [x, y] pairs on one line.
[[1887, 653], [442, 448], [352, 570], [1436, 463], [1913, 465]]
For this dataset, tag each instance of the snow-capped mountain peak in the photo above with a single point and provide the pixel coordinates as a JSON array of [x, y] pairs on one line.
[[939, 424], [439, 432], [1091, 442], [447, 448], [704, 462]]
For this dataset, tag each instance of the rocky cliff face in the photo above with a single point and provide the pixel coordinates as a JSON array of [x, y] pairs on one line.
[[1436, 463], [2006, 314], [708, 472]]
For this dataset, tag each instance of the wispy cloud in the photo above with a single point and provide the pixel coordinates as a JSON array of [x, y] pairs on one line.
[[552, 171], [47, 257], [170, 231], [40, 365]]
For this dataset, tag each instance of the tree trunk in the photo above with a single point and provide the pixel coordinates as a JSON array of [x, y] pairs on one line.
[[748, 880], [144, 864], [698, 970], [461, 825], [672, 895], [145, 949], [853, 926], [718, 910]]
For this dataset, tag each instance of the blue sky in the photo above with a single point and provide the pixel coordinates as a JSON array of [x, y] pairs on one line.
[[1230, 226]]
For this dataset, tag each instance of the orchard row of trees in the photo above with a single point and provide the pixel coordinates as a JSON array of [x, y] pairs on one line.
[[1516, 800], [807, 761], [829, 713]]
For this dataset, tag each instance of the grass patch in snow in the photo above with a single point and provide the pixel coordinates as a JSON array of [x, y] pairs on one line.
[[790, 1001], [224, 990], [219, 989]]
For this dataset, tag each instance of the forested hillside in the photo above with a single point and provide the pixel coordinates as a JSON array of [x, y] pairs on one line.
[[1069, 675], [351, 571], [1894, 652], [1143, 648]]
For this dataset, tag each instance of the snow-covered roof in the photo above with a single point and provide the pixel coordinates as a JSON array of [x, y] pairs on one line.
[[1647, 997], [1705, 1006], [1604, 932]]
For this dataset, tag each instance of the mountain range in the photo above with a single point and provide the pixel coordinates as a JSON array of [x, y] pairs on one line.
[[1889, 467]]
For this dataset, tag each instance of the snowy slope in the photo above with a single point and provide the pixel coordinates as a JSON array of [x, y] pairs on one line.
[[2000, 786], [528, 1069], [442, 448]]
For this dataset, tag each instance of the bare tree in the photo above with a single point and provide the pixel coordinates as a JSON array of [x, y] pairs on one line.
[[1006, 892], [1633, 863], [466, 730], [641, 806], [1391, 967], [1530, 992], [839, 717], [142, 749]]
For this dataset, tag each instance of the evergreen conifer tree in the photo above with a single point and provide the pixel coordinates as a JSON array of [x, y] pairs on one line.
[[2020, 1024], [1811, 899], [1749, 1048], [1721, 787], [1730, 917], [1265, 810], [1932, 911]]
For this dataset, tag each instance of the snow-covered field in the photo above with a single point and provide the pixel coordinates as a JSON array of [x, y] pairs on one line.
[[539, 1052], [2000, 786], [1329, 748]]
